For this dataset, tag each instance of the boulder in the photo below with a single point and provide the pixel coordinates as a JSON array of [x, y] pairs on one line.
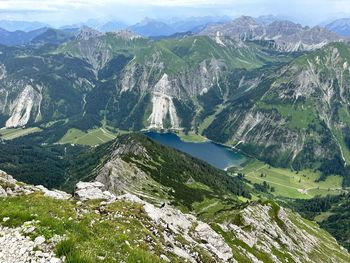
[[56, 194], [2, 192], [92, 191]]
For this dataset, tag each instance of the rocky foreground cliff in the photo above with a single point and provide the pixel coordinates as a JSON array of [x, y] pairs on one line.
[[94, 225]]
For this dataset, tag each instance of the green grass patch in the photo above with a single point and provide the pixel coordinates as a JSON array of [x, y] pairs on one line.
[[299, 115], [90, 236], [13, 133], [209, 119], [291, 184], [91, 137], [192, 137]]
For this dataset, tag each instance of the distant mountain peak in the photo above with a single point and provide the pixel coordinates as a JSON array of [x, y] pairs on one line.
[[269, 19], [245, 20], [147, 20], [53, 36], [340, 26], [14, 25], [87, 33], [151, 27], [126, 34], [112, 26]]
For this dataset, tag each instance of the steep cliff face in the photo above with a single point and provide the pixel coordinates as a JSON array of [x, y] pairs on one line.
[[41, 88], [20, 101], [152, 78], [98, 49], [163, 105], [25, 107], [153, 74]]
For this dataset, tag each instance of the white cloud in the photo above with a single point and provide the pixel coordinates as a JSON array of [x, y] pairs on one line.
[[66, 11], [41, 4], [54, 5]]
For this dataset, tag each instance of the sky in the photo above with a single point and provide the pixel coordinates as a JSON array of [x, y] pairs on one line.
[[63, 12]]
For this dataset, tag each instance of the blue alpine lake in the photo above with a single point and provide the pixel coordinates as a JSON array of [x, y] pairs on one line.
[[217, 155]]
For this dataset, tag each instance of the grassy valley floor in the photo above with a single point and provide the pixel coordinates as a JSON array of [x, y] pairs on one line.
[[292, 184], [13, 133]]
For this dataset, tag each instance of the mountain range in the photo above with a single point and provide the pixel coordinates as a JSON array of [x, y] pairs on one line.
[[42, 35], [287, 36], [233, 90], [276, 91], [19, 37], [160, 27], [13, 25]]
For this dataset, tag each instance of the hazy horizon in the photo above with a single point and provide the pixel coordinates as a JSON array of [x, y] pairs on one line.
[[65, 12]]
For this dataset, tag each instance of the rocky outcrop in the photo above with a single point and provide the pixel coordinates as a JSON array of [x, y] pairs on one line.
[[91, 191], [17, 246], [272, 229], [163, 106], [266, 228], [21, 102], [11, 187], [87, 33], [120, 176], [195, 232], [24, 106], [126, 35]]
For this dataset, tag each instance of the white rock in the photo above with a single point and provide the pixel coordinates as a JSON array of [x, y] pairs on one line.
[[39, 240], [2, 192], [165, 258], [162, 105], [16, 248], [21, 108], [55, 260], [92, 191], [28, 230], [180, 223], [56, 194]]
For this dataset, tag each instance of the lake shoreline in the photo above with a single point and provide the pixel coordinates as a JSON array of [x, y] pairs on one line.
[[219, 155]]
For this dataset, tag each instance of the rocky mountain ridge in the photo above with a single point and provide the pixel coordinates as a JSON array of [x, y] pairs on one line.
[[286, 35], [180, 236]]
